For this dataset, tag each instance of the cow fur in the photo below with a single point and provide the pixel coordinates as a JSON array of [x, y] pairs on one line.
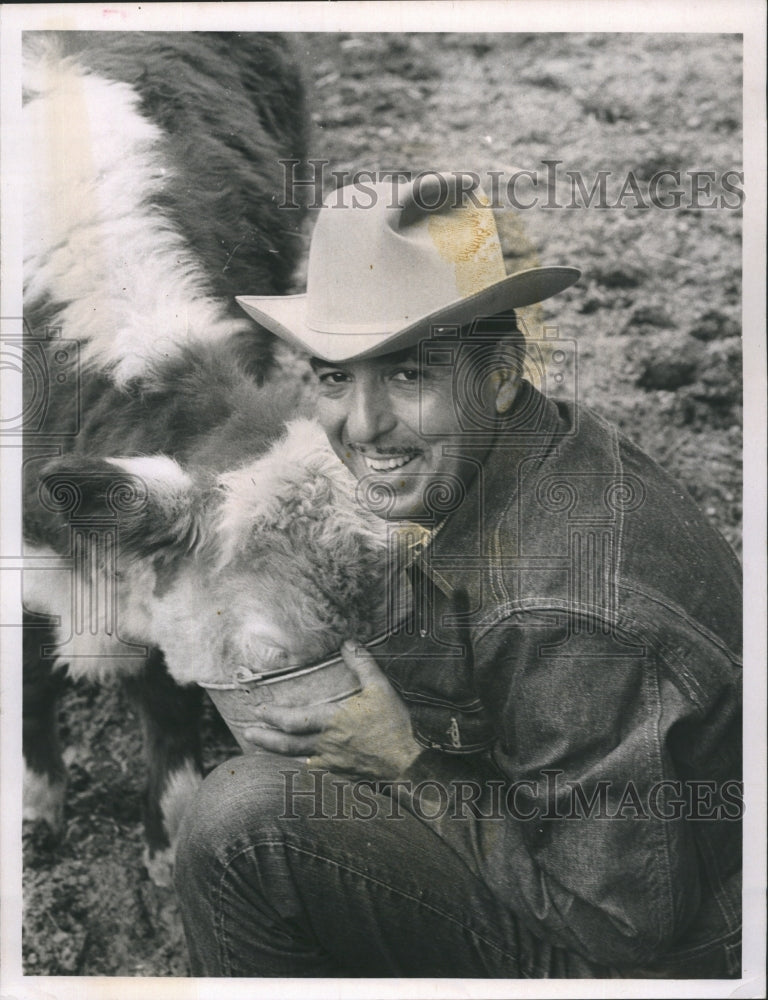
[[153, 186]]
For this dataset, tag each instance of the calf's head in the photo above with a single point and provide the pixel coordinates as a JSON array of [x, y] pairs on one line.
[[270, 565]]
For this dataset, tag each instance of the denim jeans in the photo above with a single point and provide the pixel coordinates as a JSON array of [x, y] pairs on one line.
[[276, 878]]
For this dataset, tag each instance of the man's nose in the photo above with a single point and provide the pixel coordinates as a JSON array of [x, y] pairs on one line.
[[370, 414]]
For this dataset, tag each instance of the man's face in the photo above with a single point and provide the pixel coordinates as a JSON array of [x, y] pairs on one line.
[[395, 423]]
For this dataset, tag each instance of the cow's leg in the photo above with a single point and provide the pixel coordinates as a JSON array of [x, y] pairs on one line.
[[44, 771], [170, 717]]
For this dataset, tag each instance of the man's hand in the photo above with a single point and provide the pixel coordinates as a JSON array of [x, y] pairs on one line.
[[368, 734]]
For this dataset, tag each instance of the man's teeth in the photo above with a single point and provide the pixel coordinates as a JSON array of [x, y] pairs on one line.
[[386, 464]]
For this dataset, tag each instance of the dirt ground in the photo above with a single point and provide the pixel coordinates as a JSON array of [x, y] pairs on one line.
[[655, 320]]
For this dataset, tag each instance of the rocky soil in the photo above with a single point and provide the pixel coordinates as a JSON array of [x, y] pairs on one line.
[[655, 320]]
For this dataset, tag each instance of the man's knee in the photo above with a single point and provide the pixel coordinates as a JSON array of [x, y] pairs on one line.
[[241, 798]]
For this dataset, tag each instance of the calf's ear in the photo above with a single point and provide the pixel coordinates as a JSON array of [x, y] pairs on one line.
[[151, 501]]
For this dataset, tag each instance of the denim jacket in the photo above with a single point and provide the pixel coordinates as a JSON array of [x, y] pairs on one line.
[[574, 644]]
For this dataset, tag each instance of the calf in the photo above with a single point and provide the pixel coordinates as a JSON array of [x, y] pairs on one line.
[[152, 186]]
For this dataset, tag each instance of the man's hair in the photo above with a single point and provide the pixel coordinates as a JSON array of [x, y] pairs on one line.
[[501, 337]]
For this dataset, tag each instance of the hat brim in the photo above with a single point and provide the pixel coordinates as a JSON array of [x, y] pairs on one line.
[[286, 315]]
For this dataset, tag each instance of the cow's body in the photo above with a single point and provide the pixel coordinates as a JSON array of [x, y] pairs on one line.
[[152, 199]]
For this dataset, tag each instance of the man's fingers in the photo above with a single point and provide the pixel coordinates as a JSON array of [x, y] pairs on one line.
[[298, 721], [279, 742]]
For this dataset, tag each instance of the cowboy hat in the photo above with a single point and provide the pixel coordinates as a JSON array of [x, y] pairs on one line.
[[389, 262]]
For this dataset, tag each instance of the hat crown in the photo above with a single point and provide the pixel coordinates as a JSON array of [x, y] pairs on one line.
[[385, 254]]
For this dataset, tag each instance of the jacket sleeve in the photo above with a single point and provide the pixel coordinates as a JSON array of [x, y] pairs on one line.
[[589, 841], [595, 853]]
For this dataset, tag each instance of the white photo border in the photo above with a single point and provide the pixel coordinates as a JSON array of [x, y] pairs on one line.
[[747, 17]]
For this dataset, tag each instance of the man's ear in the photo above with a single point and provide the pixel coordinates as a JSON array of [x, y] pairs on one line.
[[506, 389], [151, 501]]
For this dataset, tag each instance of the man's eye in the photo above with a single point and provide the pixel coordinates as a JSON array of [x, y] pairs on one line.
[[332, 378], [407, 375]]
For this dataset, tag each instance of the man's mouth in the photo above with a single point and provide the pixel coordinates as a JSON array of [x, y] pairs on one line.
[[387, 463]]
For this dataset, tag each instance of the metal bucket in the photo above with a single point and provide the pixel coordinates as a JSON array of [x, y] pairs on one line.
[[321, 683]]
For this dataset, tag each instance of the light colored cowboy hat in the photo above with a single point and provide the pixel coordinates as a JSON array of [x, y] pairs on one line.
[[390, 262]]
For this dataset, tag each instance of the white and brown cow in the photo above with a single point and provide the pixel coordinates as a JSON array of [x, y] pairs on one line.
[[176, 513]]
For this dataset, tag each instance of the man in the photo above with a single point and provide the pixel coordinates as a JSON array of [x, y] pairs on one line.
[[540, 774]]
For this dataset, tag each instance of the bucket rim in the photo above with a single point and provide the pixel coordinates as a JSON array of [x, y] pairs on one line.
[[273, 676]]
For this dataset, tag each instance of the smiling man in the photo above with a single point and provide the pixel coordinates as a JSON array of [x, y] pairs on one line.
[[540, 774]]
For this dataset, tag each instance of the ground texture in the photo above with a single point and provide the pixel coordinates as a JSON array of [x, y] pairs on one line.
[[656, 320]]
